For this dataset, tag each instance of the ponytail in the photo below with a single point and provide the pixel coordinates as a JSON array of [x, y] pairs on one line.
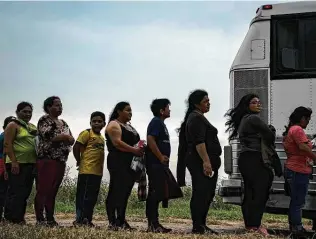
[[182, 138], [296, 117], [194, 99], [287, 128]]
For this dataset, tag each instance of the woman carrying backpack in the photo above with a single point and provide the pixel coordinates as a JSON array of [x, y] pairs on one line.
[[19, 147]]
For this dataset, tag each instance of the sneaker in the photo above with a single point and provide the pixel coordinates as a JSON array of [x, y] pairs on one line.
[[125, 226], [87, 223], [52, 223], [158, 228], [198, 230], [40, 223], [76, 223], [112, 227]]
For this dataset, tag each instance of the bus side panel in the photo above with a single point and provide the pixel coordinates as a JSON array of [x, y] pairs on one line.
[[288, 94]]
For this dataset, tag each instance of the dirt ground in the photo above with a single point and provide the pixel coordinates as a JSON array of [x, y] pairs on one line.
[[179, 226]]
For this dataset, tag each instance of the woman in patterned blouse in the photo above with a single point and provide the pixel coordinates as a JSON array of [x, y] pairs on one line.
[[54, 144]]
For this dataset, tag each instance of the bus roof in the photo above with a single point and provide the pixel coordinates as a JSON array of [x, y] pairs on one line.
[[266, 11]]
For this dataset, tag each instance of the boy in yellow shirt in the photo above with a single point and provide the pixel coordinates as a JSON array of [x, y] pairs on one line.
[[89, 154]]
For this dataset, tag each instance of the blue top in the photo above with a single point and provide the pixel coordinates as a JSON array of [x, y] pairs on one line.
[[1, 144], [158, 129]]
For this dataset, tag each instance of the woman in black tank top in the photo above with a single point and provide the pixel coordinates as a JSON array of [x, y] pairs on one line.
[[121, 138]]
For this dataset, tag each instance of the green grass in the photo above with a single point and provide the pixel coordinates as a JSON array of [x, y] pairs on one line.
[[178, 214], [179, 208]]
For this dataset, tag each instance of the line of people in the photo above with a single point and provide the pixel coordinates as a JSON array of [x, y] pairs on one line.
[[40, 153]]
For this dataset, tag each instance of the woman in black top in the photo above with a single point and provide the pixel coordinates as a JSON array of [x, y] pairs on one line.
[[244, 122], [202, 158], [121, 138]]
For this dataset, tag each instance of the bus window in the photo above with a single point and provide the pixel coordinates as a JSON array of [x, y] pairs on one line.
[[310, 44], [293, 47]]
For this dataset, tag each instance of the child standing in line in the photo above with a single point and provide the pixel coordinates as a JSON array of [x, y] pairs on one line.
[[3, 172], [89, 154]]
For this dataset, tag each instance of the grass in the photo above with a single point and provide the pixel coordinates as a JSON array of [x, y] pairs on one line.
[[178, 213], [179, 208], [12, 232]]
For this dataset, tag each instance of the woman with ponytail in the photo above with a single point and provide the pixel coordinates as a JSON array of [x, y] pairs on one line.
[[203, 150], [244, 123], [121, 140], [298, 165]]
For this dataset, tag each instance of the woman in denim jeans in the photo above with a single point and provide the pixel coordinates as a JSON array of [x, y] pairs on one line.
[[298, 165]]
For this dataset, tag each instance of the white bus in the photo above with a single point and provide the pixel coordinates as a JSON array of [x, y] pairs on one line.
[[277, 61]]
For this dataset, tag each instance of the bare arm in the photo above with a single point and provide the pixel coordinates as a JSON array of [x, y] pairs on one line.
[[9, 136], [61, 137], [77, 151], [115, 133], [201, 149], [304, 147]]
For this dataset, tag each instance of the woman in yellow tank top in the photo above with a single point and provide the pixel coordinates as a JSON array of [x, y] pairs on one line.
[[19, 146]]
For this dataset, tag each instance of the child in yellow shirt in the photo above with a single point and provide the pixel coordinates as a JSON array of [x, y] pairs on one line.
[[89, 154]]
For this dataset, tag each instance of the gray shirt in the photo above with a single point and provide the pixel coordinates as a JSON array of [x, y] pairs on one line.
[[251, 131]]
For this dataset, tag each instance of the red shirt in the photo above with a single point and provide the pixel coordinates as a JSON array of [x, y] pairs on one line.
[[297, 160]]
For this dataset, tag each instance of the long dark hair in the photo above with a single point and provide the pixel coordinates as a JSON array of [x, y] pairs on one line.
[[118, 107], [296, 117], [195, 98], [236, 114]]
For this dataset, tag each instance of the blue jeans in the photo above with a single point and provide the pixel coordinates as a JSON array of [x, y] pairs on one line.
[[298, 188]]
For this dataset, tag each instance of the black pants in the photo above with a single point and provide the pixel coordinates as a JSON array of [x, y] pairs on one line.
[[20, 187], [3, 194], [203, 191], [152, 202], [257, 183], [88, 187], [122, 181]]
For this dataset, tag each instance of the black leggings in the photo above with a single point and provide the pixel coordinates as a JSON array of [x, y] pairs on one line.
[[122, 181], [3, 194], [203, 192], [257, 183], [19, 190]]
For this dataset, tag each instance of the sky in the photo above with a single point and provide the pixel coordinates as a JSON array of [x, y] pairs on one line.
[[95, 54]]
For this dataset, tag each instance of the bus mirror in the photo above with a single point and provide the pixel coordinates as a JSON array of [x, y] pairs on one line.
[[289, 58]]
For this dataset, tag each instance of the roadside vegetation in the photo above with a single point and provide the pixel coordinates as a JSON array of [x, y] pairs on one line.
[[178, 214]]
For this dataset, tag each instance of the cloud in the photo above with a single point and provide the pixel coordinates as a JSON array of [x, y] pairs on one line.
[[93, 67]]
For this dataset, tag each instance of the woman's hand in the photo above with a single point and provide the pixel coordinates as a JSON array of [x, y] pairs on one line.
[[6, 176], [15, 167], [67, 138], [71, 139], [207, 167], [164, 159], [139, 151]]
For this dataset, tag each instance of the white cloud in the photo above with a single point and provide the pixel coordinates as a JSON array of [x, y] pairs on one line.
[[159, 59]]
